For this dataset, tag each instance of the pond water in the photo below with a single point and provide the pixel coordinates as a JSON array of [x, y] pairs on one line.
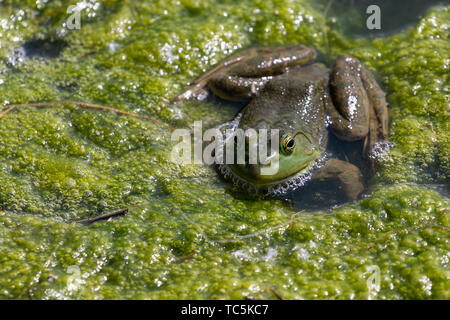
[[188, 234]]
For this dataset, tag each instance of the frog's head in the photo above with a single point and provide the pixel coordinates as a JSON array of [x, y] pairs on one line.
[[288, 167]]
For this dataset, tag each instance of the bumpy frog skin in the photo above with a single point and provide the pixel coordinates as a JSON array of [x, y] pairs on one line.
[[286, 90]]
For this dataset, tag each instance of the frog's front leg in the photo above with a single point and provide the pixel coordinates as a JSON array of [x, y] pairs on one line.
[[348, 175], [243, 75], [357, 106]]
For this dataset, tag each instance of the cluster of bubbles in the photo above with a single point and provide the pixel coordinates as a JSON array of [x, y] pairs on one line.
[[380, 151], [299, 180], [17, 56]]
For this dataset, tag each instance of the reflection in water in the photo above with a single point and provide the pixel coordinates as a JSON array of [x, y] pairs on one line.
[[395, 14], [45, 48]]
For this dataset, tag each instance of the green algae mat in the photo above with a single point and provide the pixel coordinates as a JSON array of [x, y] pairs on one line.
[[187, 234]]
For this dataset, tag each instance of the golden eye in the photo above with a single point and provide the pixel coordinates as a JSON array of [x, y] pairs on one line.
[[287, 144]]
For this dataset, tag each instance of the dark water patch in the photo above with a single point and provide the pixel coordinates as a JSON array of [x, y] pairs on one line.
[[44, 48], [317, 195], [38, 48], [395, 15]]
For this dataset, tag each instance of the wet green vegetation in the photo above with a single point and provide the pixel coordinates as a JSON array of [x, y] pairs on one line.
[[186, 234]]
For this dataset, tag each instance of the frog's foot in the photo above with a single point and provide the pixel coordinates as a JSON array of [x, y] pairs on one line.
[[198, 86], [348, 175], [357, 105], [243, 75]]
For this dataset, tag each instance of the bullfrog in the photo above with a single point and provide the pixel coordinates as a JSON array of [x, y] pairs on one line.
[[284, 88]]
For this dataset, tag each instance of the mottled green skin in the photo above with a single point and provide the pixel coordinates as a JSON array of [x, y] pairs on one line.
[[63, 164]]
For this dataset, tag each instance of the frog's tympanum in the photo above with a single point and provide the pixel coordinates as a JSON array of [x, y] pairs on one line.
[[286, 90]]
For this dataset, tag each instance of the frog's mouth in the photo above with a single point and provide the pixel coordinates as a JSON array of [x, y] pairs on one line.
[[274, 188], [278, 188]]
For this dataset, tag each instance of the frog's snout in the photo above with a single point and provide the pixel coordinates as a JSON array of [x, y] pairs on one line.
[[253, 161]]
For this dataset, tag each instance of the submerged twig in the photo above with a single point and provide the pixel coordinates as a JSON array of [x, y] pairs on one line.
[[104, 217], [276, 294], [81, 105], [188, 257]]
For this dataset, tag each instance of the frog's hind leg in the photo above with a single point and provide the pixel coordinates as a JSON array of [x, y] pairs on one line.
[[379, 118], [356, 105], [243, 81], [243, 75], [348, 175], [236, 88]]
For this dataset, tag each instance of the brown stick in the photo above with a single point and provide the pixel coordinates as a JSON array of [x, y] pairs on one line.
[[104, 217], [188, 257], [276, 294]]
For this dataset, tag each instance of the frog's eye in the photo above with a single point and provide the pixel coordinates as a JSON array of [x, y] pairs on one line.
[[287, 144]]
